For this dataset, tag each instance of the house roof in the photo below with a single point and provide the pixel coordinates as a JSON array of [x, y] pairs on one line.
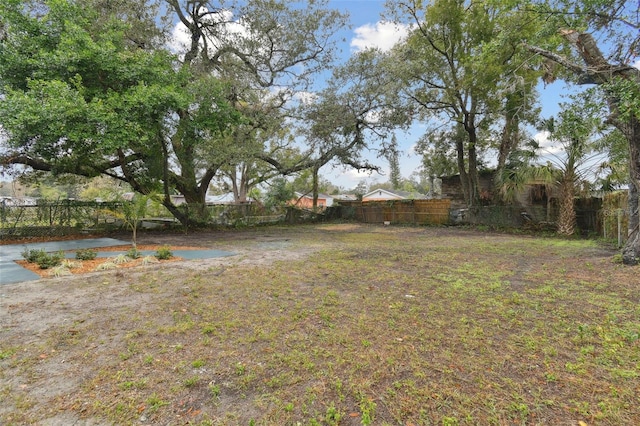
[[392, 194], [346, 197], [227, 198]]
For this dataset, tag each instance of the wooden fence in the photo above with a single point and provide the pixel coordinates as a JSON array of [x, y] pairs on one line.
[[423, 212]]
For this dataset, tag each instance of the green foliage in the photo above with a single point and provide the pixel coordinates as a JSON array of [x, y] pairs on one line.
[[43, 259], [462, 66], [32, 255], [279, 193], [164, 253], [134, 253], [100, 92], [135, 210], [86, 254]]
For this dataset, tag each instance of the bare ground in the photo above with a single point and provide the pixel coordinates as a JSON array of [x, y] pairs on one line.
[[34, 310], [62, 339]]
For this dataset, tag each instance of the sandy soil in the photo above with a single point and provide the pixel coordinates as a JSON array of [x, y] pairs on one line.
[[30, 310]]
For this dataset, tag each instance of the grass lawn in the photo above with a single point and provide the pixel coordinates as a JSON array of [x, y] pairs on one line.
[[344, 325]]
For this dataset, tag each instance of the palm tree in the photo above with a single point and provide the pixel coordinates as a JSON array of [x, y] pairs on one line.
[[570, 157]]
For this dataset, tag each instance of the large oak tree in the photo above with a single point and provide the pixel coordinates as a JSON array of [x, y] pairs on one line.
[[96, 90], [463, 69]]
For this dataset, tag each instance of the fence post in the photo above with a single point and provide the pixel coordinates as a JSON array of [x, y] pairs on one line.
[[619, 228]]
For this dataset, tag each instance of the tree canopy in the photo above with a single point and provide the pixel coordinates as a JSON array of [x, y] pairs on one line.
[[114, 99], [462, 70]]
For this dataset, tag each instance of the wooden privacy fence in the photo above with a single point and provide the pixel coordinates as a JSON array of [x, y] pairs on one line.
[[424, 212]]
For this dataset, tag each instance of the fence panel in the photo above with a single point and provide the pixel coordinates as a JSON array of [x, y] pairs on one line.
[[615, 224], [435, 212]]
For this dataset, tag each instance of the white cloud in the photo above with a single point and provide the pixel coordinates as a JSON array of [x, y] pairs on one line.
[[348, 178], [306, 98], [637, 64], [180, 40], [547, 145], [543, 138], [383, 35]]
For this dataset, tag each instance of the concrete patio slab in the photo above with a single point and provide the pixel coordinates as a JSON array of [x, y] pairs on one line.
[[14, 251], [11, 272]]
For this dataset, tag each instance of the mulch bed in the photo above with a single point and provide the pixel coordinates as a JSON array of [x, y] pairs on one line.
[[85, 266]]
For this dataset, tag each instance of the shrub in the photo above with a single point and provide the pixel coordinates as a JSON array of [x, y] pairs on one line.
[[32, 256], [50, 260], [134, 253], [148, 260], [86, 254], [42, 258], [164, 253], [60, 271], [106, 266]]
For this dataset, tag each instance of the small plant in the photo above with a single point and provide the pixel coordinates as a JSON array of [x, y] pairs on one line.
[[134, 253], [120, 259], [333, 415], [33, 255], [86, 254], [191, 381], [214, 390], [617, 258], [60, 271], [155, 402], [4, 354], [106, 266], [198, 363], [367, 408], [147, 260], [70, 264], [164, 253], [47, 260], [208, 329]]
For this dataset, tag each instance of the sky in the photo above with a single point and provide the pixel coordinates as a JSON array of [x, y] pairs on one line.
[[370, 30]]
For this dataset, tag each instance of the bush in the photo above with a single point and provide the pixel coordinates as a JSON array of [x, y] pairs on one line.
[[50, 260], [164, 253], [86, 254], [134, 253], [42, 258], [32, 256]]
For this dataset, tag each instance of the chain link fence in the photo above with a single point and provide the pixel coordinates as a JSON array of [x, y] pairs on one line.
[[68, 217], [57, 218]]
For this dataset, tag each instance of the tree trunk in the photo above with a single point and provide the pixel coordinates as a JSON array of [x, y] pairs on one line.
[[567, 215], [473, 193], [315, 188], [631, 250], [509, 140], [462, 170]]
